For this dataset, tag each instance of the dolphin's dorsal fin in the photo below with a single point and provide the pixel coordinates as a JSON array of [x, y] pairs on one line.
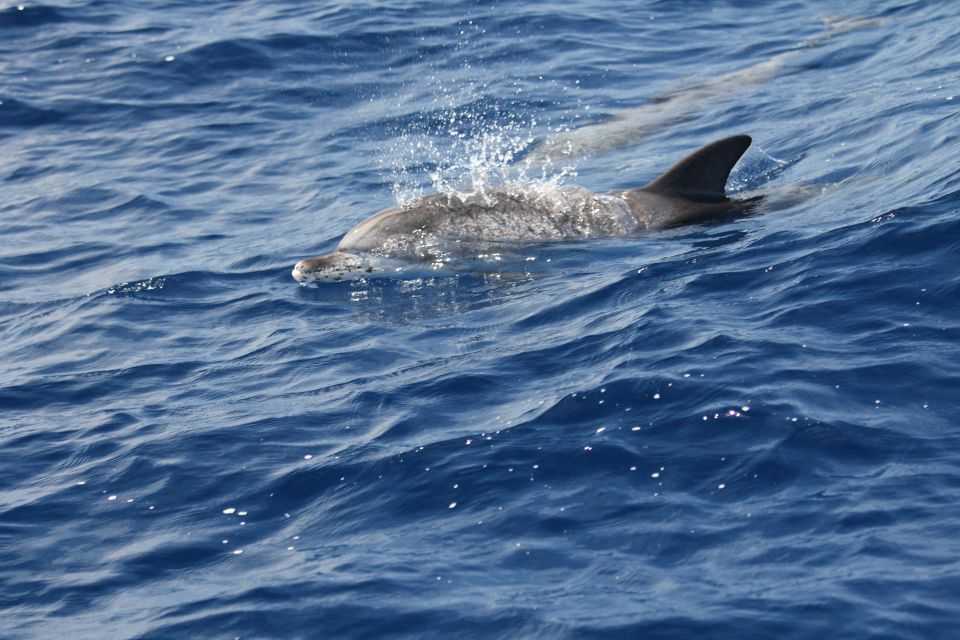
[[703, 174]]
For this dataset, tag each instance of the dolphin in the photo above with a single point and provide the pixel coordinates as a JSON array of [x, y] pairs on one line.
[[438, 230], [682, 104]]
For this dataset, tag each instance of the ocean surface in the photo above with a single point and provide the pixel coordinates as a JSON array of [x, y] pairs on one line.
[[742, 430]]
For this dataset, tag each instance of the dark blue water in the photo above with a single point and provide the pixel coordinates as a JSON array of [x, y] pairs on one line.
[[744, 430]]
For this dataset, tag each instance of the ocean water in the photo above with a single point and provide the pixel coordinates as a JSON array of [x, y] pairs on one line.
[[739, 430]]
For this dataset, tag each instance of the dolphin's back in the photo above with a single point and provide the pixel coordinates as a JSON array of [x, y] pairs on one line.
[[506, 215]]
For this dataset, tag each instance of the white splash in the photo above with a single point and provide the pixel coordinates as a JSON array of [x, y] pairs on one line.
[[467, 143]]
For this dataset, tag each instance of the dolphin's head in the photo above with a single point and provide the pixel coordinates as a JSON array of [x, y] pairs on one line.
[[332, 268]]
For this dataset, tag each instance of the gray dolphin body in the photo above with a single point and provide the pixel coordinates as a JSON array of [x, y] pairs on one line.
[[438, 230], [683, 103]]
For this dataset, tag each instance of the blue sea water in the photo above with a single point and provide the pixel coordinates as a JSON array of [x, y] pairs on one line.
[[739, 430]]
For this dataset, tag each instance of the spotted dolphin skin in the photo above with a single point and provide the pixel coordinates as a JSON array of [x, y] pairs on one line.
[[439, 230]]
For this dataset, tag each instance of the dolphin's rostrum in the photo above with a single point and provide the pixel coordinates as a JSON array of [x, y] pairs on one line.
[[440, 229]]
